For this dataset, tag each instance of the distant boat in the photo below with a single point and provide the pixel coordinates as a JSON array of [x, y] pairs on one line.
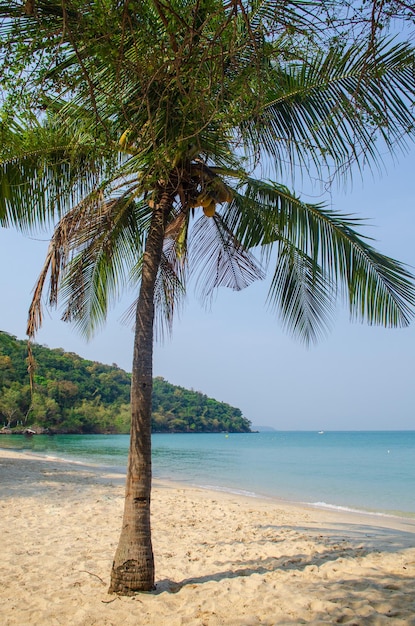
[[321, 432]]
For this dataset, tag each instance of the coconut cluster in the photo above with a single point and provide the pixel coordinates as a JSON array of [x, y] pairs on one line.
[[214, 192]]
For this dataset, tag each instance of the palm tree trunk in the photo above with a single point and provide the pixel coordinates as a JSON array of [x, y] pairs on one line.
[[133, 566]]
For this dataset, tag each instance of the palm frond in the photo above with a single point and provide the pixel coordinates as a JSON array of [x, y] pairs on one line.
[[296, 16], [218, 259], [378, 288], [106, 252], [170, 286], [90, 257], [170, 289], [43, 172], [330, 108], [302, 296]]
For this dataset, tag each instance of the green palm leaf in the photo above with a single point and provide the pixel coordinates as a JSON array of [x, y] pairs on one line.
[[44, 171], [378, 288], [329, 108], [302, 296]]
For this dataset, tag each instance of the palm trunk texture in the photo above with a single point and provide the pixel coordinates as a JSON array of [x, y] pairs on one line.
[[133, 566]]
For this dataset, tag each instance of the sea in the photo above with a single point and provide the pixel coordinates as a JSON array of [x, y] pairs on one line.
[[366, 471]]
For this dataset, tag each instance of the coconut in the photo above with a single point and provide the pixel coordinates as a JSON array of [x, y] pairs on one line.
[[210, 209]]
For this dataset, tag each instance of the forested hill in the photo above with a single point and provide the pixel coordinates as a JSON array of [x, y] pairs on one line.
[[74, 395]]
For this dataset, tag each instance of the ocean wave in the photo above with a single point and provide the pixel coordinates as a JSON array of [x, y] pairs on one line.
[[237, 492], [347, 509]]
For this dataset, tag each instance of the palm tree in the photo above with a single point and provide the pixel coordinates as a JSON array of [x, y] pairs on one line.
[[149, 161]]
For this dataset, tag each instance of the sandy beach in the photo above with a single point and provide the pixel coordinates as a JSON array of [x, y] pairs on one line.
[[221, 559]]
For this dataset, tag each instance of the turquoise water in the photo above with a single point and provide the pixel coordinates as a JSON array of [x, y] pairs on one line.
[[369, 471]]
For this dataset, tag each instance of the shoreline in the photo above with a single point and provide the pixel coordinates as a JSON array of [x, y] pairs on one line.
[[398, 516], [221, 559]]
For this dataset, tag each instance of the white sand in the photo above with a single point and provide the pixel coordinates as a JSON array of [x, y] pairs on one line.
[[220, 559]]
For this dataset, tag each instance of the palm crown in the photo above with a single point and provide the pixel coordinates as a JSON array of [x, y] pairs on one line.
[[198, 124]]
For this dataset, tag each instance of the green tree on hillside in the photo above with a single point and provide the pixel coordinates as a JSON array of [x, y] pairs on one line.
[[11, 405], [157, 117], [73, 395]]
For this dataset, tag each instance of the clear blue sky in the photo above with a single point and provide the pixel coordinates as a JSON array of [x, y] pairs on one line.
[[359, 377]]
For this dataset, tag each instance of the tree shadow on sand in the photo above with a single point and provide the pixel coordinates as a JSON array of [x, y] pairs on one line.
[[34, 475], [383, 595]]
